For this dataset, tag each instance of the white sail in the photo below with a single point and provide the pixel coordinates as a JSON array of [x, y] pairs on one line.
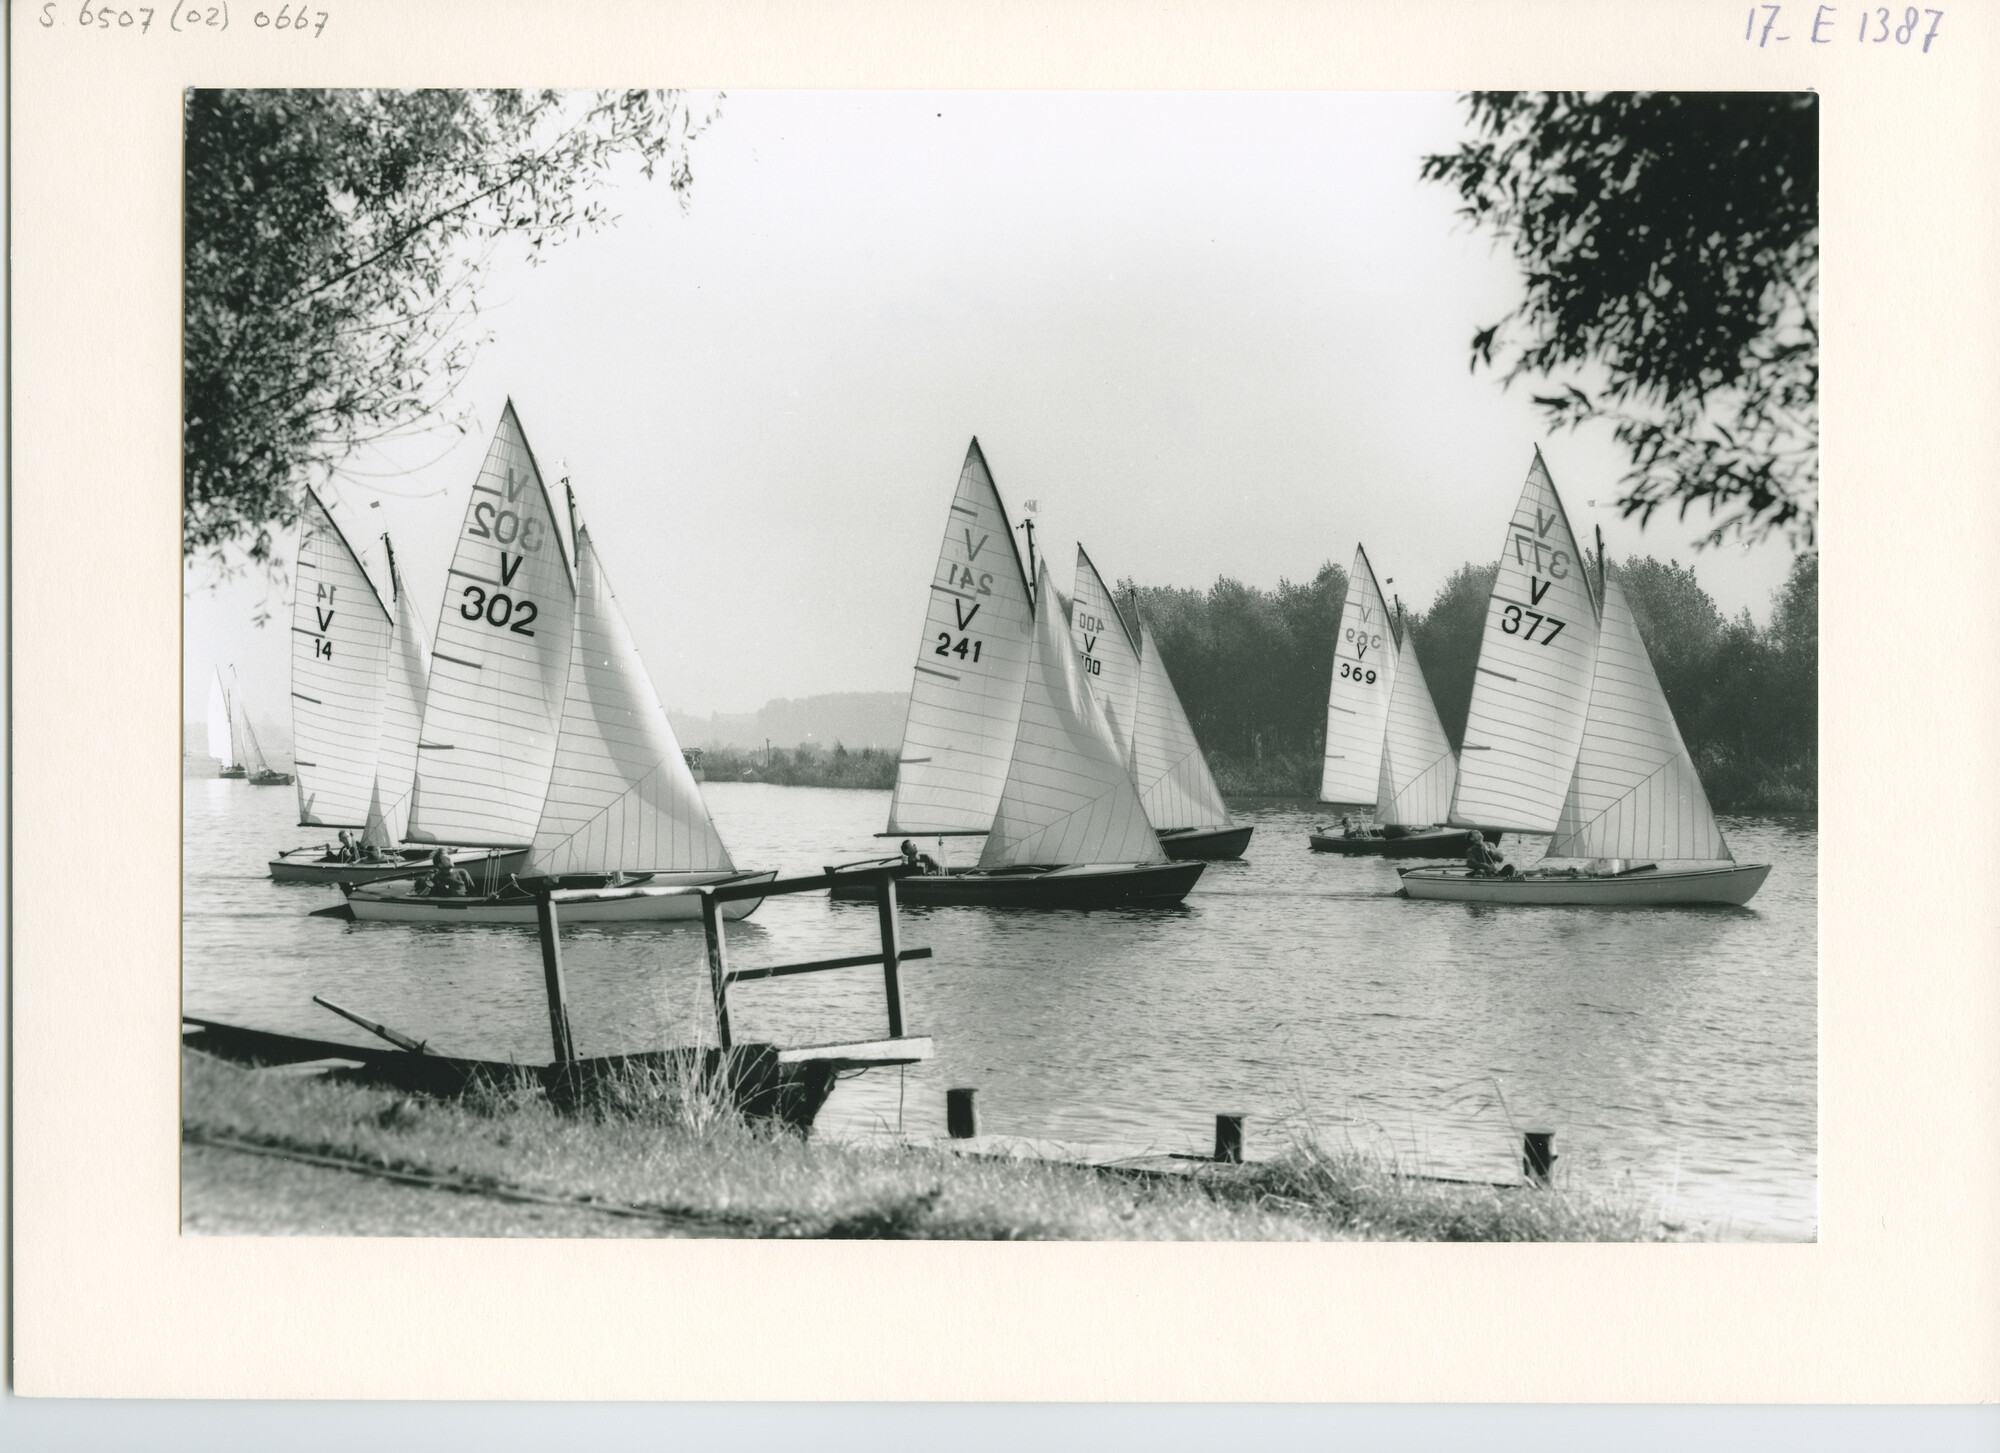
[[220, 746], [249, 751], [499, 663], [1419, 768], [1531, 689], [1108, 654], [340, 655], [1067, 798], [1172, 776], [408, 674], [1357, 700], [621, 798], [972, 666], [1635, 792]]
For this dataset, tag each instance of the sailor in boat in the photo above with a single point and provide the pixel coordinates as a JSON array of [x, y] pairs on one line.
[[445, 880], [920, 863], [1484, 861], [349, 850]]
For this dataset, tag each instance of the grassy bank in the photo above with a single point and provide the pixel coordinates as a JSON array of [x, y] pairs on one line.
[[807, 766], [274, 1153]]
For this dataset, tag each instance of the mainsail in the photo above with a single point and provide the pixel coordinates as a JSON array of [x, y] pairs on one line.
[[408, 674], [1357, 701], [1067, 796], [220, 746], [340, 653], [1110, 657], [972, 666], [1635, 792], [1168, 768], [500, 665], [1531, 690], [621, 797], [1419, 768]]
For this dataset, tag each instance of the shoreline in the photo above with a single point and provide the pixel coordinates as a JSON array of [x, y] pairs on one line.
[[316, 1151]]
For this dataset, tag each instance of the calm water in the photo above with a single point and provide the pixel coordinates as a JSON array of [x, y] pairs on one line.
[[1671, 1050]]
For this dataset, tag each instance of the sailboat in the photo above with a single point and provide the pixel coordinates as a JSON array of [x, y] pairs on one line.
[[617, 808], [1386, 751], [258, 770], [221, 729], [1573, 737], [358, 677], [1149, 725], [1004, 739]]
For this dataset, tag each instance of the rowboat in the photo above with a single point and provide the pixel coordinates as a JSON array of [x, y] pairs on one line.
[[1386, 751], [530, 652], [1004, 740], [1123, 669], [1570, 734]]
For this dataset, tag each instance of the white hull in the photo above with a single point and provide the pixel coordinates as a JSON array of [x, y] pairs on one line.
[[1660, 888], [664, 898]]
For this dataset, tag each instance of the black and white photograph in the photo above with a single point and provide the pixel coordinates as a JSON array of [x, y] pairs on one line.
[[997, 665]]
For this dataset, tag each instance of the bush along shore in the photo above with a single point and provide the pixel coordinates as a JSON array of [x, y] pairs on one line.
[[273, 1151], [804, 766]]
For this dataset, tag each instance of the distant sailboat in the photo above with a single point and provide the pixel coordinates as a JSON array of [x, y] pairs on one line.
[[1600, 763], [260, 772], [620, 809], [1125, 673], [1386, 751], [1003, 738], [222, 730]]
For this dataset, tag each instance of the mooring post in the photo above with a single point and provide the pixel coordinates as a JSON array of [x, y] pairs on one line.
[[1538, 1155], [1229, 1139], [961, 1116], [892, 949], [552, 976], [718, 964]]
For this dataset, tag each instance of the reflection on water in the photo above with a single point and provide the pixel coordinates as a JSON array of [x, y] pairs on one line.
[[1671, 1050]]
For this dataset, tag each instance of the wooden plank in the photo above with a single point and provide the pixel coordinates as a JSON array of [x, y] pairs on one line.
[[718, 963], [552, 979], [892, 985], [737, 976], [868, 1054]]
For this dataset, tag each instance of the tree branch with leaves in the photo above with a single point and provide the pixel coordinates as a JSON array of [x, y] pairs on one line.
[[1669, 246], [335, 242]]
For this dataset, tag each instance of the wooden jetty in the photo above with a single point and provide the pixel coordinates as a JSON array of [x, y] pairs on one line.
[[786, 1083]]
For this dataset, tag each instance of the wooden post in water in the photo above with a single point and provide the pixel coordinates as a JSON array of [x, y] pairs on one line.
[[718, 965], [1229, 1139], [1538, 1155], [961, 1116], [892, 949], [552, 976]]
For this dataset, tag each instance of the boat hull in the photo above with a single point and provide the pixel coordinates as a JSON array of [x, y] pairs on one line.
[[1670, 887], [271, 779], [1083, 885], [1443, 842], [663, 898], [236, 773], [1208, 844], [320, 870]]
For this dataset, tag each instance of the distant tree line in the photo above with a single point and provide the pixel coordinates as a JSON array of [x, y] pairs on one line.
[[803, 766], [1253, 666]]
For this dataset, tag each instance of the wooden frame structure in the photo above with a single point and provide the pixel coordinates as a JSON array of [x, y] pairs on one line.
[[895, 1049]]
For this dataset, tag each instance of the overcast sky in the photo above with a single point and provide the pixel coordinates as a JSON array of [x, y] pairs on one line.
[[1210, 334]]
